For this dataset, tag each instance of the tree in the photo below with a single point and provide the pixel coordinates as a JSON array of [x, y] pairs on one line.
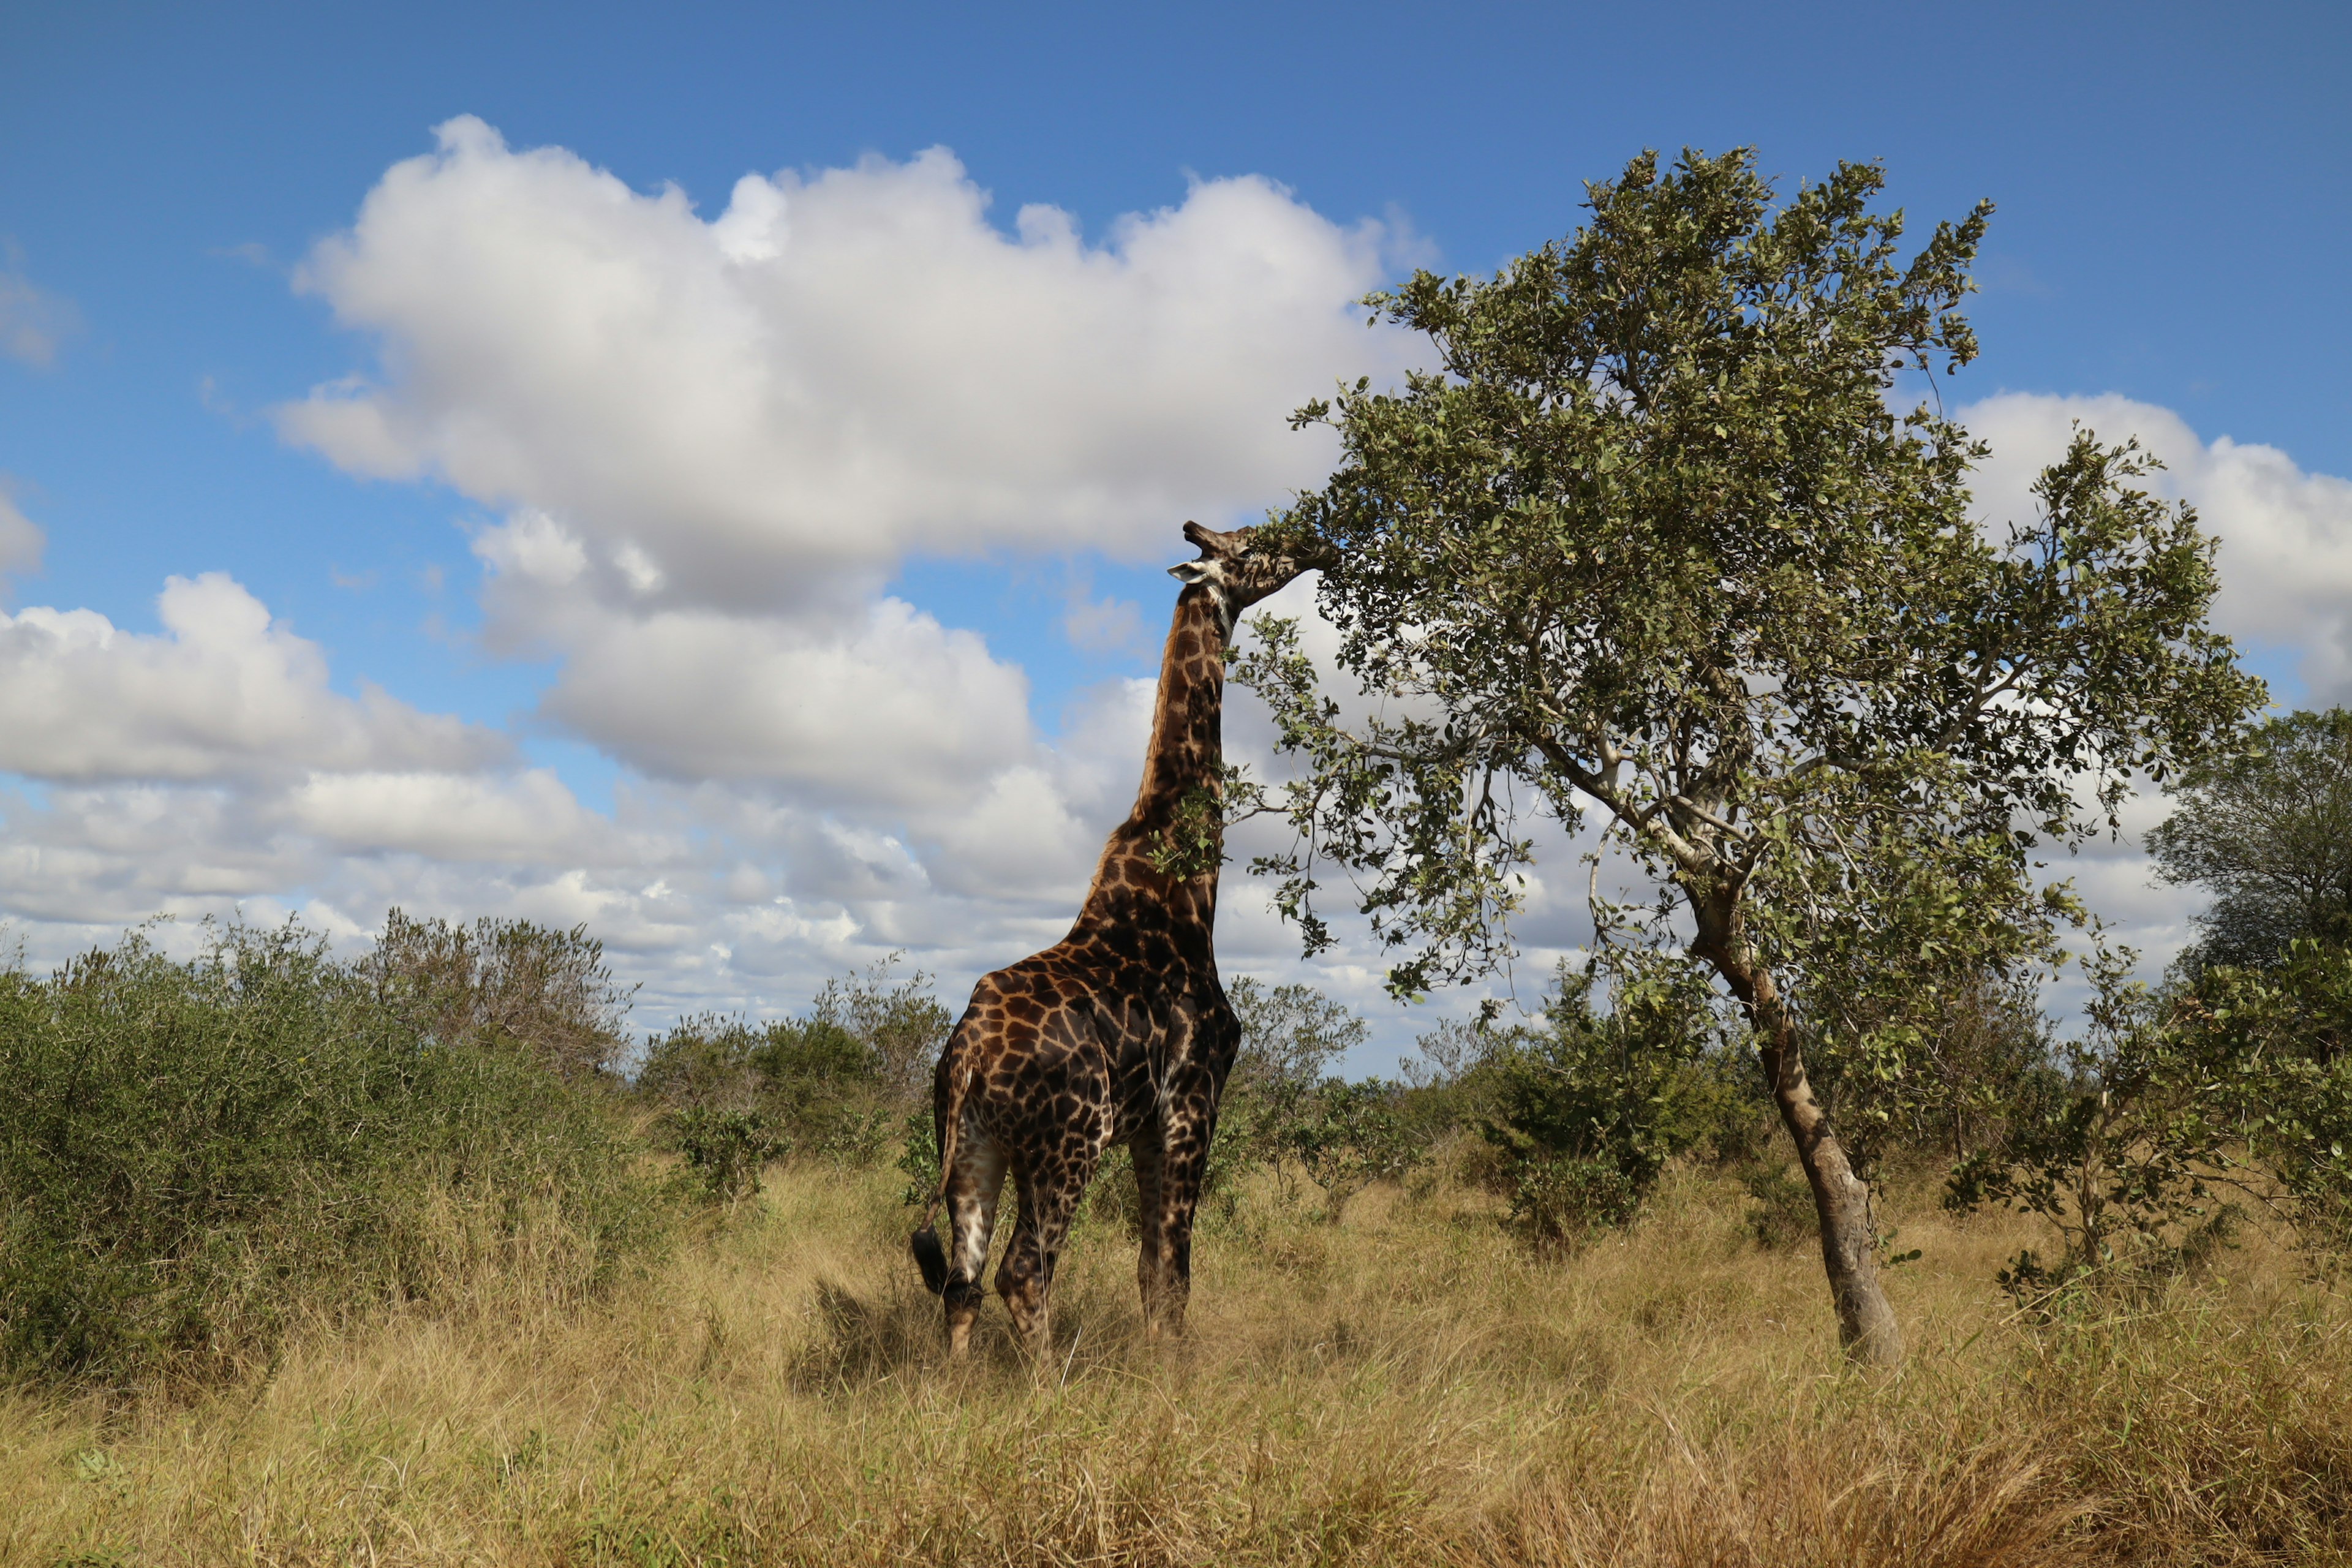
[[504, 981], [2268, 829], [1290, 1036], [1652, 540], [899, 1020]]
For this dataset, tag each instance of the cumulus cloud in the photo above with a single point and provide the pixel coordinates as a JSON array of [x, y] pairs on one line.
[[2286, 558], [839, 369], [223, 689], [893, 711], [528, 817]]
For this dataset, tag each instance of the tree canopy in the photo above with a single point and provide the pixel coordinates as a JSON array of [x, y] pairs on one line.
[[1653, 540], [2267, 829]]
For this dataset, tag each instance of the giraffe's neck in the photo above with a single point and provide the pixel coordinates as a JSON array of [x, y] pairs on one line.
[[1185, 762]]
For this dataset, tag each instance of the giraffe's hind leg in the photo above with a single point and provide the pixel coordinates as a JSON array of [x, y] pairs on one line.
[[1165, 1267], [1049, 1201], [1151, 1254], [973, 1192]]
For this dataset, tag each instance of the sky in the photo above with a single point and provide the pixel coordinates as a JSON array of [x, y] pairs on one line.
[[706, 472]]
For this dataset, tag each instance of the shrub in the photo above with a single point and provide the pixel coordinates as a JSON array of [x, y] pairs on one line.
[[1586, 1111], [503, 981], [194, 1156], [918, 1157], [899, 1021], [728, 1149], [1783, 1213], [1346, 1136], [831, 1084]]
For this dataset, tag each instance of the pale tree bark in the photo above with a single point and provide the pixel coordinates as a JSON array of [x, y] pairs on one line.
[[1867, 1325]]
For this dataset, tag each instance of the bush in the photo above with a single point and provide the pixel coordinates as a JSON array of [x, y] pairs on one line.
[[1783, 1213], [194, 1156], [831, 1084], [919, 1158], [1586, 1111], [1346, 1136], [503, 981], [728, 1149]]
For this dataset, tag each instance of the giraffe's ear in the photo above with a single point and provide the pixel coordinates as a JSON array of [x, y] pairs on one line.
[[1190, 571]]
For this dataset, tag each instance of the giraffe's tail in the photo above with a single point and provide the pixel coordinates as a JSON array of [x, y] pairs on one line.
[[930, 1255]]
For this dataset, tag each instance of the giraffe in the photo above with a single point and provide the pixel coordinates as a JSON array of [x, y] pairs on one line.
[[1120, 1032]]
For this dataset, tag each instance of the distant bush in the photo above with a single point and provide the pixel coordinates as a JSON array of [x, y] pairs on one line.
[[194, 1155], [503, 981], [1346, 1136], [831, 1085], [728, 1149]]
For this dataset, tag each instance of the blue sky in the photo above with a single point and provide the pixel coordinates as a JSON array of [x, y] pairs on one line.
[[2174, 187]]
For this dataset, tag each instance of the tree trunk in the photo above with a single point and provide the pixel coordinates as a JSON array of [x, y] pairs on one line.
[[1866, 1325]]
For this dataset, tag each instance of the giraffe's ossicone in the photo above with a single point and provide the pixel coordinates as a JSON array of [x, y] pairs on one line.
[[1120, 1032]]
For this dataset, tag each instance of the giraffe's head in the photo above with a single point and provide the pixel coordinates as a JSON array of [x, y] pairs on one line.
[[1238, 570]]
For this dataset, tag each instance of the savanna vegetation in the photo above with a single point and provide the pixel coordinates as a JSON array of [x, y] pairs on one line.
[[417, 1256]]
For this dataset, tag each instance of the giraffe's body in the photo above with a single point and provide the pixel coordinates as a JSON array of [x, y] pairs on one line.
[[1120, 1033]]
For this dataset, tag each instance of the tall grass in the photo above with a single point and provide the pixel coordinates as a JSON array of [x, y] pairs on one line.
[[1411, 1387]]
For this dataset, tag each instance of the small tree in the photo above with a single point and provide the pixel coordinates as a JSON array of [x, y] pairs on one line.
[[509, 981], [1585, 1111], [1291, 1035], [1346, 1136], [2268, 830], [896, 1018], [1651, 539]]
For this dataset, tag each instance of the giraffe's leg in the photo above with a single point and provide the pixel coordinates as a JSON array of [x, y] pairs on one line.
[[1150, 1258], [973, 1193], [1183, 1160], [1049, 1200]]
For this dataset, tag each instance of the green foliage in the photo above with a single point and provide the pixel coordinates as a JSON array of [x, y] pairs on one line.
[[896, 1018], [1345, 1136], [1783, 1215], [2272, 1049], [918, 1157], [2227, 1092], [1656, 540], [2268, 829], [831, 1084], [1653, 537], [504, 981], [195, 1155], [1291, 1035], [702, 1062], [1585, 1111], [728, 1149], [2117, 1148]]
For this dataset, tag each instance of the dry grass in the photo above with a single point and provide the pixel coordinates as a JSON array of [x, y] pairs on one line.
[[1406, 1389]]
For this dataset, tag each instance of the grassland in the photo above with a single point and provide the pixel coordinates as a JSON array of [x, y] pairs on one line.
[[1410, 1387]]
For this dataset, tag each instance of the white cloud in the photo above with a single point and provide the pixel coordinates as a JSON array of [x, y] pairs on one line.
[[891, 711], [840, 369], [528, 817], [223, 689], [2286, 558]]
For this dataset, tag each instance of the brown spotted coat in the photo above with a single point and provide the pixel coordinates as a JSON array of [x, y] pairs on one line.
[[1120, 1032]]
